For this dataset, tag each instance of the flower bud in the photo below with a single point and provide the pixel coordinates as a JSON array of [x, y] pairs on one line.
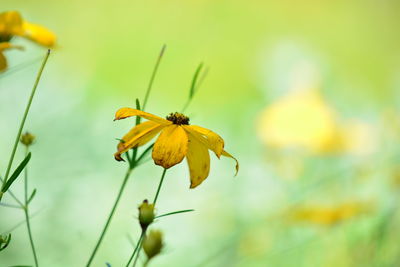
[[153, 243], [27, 139], [146, 214], [4, 241]]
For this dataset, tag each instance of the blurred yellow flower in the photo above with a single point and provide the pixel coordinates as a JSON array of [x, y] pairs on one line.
[[12, 24], [328, 215], [177, 140], [303, 119]]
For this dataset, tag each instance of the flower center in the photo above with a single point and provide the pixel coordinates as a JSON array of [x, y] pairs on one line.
[[178, 118], [5, 37]]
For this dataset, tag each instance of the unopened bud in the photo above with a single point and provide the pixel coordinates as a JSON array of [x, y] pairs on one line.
[[27, 139], [4, 241], [146, 214], [153, 244]]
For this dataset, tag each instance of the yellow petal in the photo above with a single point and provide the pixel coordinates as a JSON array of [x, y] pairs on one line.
[[3, 62], [7, 45], [170, 147], [10, 24], [138, 136], [213, 141], [226, 154], [124, 113], [39, 34], [198, 160]]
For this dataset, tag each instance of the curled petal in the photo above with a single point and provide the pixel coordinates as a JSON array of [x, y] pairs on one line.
[[39, 34], [226, 154], [212, 140], [198, 160], [124, 113], [171, 146], [137, 136]]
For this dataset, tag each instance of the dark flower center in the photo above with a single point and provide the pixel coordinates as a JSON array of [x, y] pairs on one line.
[[178, 118], [5, 37]]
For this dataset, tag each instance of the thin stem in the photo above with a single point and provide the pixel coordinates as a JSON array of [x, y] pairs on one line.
[[13, 195], [153, 75], [10, 205], [26, 179], [26, 211], [24, 118], [159, 186], [144, 230], [30, 235], [121, 190], [137, 256], [136, 247], [196, 83]]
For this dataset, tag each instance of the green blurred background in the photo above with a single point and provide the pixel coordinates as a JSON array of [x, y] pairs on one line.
[[288, 206]]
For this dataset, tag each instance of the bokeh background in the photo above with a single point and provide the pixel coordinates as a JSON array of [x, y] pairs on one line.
[[305, 94]]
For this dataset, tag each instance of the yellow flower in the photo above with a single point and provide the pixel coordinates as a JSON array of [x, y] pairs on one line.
[[12, 24], [300, 119], [177, 140], [331, 215], [5, 46]]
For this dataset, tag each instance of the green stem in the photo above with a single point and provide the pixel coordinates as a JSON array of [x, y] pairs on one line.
[[136, 247], [153, 75], [26, 178], [13, 195], [159, 186], [121, 190], [144, 230], [26, 211], [24, 118]]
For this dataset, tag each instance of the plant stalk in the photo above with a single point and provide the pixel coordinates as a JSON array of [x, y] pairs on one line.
[[110, 216], [39, 75]]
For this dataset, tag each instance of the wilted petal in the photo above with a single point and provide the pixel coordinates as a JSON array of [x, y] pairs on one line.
[[212, 140], [138, 136], [226, 154], [171, 146], [124, 113], [198, 160]]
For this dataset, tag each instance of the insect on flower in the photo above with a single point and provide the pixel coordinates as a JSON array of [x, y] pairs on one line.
[[177, 140]]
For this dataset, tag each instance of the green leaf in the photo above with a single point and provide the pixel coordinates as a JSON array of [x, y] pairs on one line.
[[16, 173], [32, 195], [194, 80], [174, 212]]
